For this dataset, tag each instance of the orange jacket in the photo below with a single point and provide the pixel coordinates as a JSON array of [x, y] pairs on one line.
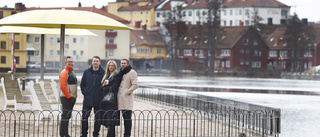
[[67, 78]]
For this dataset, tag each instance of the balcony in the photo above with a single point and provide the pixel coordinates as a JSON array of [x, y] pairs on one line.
[[111, 34], [111, 46]]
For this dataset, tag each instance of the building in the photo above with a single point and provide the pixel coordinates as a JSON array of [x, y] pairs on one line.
[[135, 10], [19, 43], [147, 49], [238, 12]]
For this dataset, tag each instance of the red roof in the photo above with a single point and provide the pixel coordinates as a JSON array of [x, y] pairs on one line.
[[136, 6], [92, 9], [146, 37], [258, 3]]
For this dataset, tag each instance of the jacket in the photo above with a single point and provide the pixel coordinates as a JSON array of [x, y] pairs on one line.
[[128, 84], [68, 83], [91, 86]]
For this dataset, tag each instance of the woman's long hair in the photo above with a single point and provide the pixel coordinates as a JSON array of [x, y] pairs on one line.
[[108, 71]]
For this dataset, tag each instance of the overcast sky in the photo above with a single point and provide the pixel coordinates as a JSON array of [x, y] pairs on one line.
[[304, 8]]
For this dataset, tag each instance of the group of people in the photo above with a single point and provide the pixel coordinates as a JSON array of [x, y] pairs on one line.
[[95, 84]]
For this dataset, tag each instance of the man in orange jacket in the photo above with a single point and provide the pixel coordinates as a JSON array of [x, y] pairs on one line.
[[68, 86]]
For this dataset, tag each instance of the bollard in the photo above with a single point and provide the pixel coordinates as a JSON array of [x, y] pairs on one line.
[[23, 83]]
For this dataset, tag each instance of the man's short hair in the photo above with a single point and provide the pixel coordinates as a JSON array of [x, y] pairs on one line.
[[126, 60], [68, 57], [96, 57]]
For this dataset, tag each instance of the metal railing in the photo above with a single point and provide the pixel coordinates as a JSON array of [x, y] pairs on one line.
[[261, 120], [145, 123]]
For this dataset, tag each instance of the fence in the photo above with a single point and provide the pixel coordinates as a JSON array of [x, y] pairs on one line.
[[257, 119], [145, 123]]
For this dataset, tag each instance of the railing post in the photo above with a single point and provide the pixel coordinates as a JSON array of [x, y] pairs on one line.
[[14, 128]]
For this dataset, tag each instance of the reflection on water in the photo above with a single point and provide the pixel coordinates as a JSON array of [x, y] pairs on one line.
[[209, 89]]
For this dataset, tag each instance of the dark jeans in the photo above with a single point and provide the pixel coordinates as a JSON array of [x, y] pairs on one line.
[[126, 114], [67, 107], [86, 110]]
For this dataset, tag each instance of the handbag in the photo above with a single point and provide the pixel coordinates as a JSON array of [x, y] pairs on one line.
[[109, 98]]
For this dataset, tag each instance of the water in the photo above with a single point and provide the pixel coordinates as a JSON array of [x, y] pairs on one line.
[[299, 100]]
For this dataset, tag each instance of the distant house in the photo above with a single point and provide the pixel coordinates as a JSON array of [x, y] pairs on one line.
[[236, 48], [147, 49], [238, 12]]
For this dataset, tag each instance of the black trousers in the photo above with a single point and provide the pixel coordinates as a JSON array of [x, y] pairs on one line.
[[67, 107], [126, 114], [86, 110]]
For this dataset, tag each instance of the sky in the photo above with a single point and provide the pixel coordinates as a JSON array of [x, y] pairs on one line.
[[304, 8]]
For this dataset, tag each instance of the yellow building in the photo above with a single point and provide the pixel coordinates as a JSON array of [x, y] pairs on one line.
[[147, 48], [135, 11], [19, 40]]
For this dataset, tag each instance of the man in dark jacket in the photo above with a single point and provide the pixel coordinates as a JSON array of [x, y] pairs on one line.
[[91, 90]]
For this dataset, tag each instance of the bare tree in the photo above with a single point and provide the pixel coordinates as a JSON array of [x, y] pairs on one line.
[[213, 25], [298, 35]]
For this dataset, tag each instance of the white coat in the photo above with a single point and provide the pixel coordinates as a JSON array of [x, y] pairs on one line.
[[128, 84]]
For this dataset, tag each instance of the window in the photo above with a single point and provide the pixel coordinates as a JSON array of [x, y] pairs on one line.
[[241, 62], [3, 59], [51, 53], [16, 45], [189, 13], [257, 53], [247, 62], [158, 14], [81, 40], [231, 12], [187, 52], [283, 53], [230, 22], [74, 53], [246, 22], [307, 54], [273, 53], [198, 13], [3, 45], [241, 51], [256, 64], [37, 53], [74, 40], [1, 14], [51, 40], [110, 40], [58, 40], [135, 12], [81, 53], [240, 11], [109, 53], [30, 53], [141, 12], [37, 40], [58, 52], [224, 23], [246, 12], [255, 42], [130, 13], [66, 46], [245, 41], [17, 60], [228, 63], [198, 53], [158, 51], [146, 21], [224, 12], [225, 52]]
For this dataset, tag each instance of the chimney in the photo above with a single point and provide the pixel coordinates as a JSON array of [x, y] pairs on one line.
[[304, 21], [137, 24], [283, 21], [270, 22], [79, 4], [19, 5]]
